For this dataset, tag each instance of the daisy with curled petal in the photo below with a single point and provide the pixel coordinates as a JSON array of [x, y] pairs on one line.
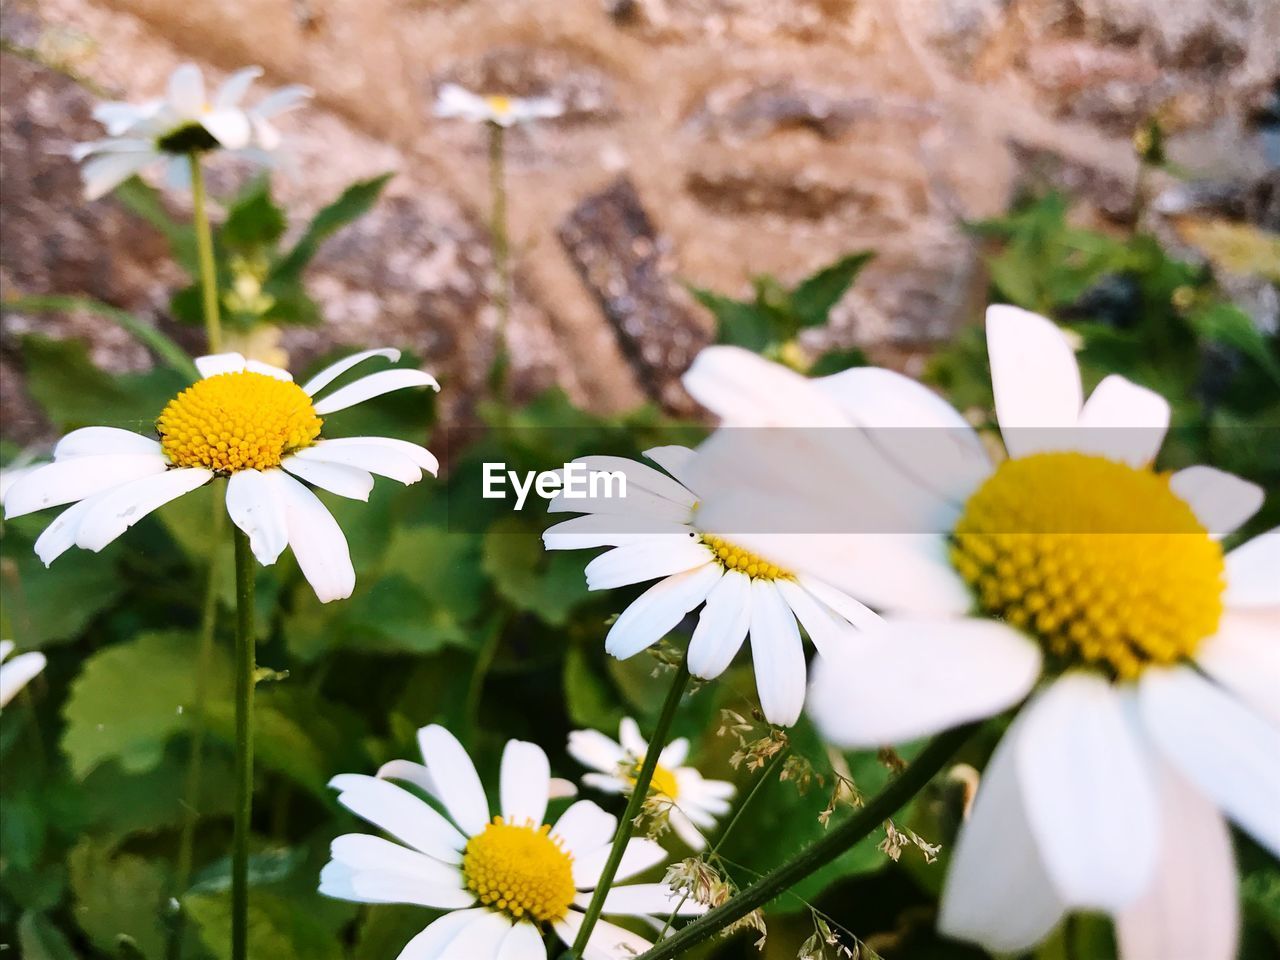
[[181, 123], [695, 803], [246, 421], [18, 672], [1076, 567], [503, 879], [657, 532], [454, 101]]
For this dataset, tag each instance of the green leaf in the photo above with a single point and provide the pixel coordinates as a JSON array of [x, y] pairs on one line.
[[278, 929], [546, 583], [1232, 327], [118, 899], [591, 700], [354, 202], [147, 203], [253, 221], [814, 297], [837, 361], [104, 722], [39, 939], [737, 323], [49, 606]]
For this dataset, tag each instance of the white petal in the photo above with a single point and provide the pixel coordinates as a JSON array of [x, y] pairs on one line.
[[641, 476], [523, 942], [559, 788], [996, 863], [1089, 795], [1035, 379], [66, 481], [377, 887], [1244, 656], [857, 614], [481, 939], [268, 370], [406, 771], [606, 783], [593, 749], [642, 854], [335, 370], [186, 90], [525, 782], [639, 899], [684, 828], [278, 101], [1251, 573], [744, 389], [674, 753], [118, 117], [912, 678], [434, 942], [374, 385], [828, 634], [218, 363], [360, 851], [632, 740], [103, 441], [6, 648], [722, 626], [119, 509], [1189, 910], [658, 610], [60, 536], [1221, 501], [607, 941], [646, 560], [778, 653], [456, 779], [317, 541], [453, 101], [400, 814], [104, 173], [424, 458], [607, 530], [638, 503], [346, 481], [229, 126], [254, 506], [1225, 749], [674, 459], [585, 828], [233, 89], [1122, 421], [17, 673], [383, 461]]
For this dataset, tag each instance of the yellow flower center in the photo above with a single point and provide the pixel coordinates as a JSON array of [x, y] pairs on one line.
[[520, 870], [237, 421], [733, 557], [499, 104], [1101, 562], [663, 784]]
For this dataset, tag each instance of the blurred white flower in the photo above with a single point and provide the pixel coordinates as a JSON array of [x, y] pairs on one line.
[[657, 533], [1074, 562], [500, 880], [454, 101], [182, 122], [247, 421], [18, 672], [695, 803]]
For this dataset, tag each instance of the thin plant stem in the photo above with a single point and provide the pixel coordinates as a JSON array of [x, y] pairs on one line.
[[199, 707], [480, 672], [878, 809], [204, 248], [501, 243], [245, 668], [627, 825]]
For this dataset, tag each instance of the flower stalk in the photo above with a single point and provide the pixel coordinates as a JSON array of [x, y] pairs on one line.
[[500, 241], [627, 825], [878, 809], [204, 249], [245, 668]]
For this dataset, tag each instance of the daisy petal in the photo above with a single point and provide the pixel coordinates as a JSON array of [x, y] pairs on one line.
[[456, 779], [912, 678], [103, 442], [1190, 909], [646, 560], [641, 855], [658, 610], [233, 89], [335, 370], [104, 173], [374, 385], [1035, 379], [18, 672], [346, 481], [480, 939], [857, 614], [1222, 502], [60, 536], [268, 370], [593, 749], [674, 753], [254, 506], [382, 461], [585, 828], [317, 541], [778, 653], [607, 941], [523, 942], [186, 90], [66, 481], [278, 101], [360, 851], [608, 530], [406, 771], [400, 814], [525, 783], [674, 459], [1251, 572], [119, 509], [1122, 421], [722, 626], [381, 886], [433, 943], [1089, 796], [216, 363], [744, 389], [639, 899], [632, 740], [424, 458], [641, 476], [829, 635], [1225, 749], [230, 127], [1244, 656]]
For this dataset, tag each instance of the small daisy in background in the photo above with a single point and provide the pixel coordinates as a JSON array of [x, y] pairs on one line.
[[246, 421], [18, 672], [692, 803], [185, 122], [503, 879], [455, 101], [656, 533]]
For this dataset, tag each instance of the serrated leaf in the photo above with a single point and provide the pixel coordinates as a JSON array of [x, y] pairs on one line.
[[253, 220], [738, 323], [814, 297], [353, 203]]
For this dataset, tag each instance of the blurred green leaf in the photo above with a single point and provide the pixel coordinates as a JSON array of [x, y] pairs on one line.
[[738, 324], [548, 584], [1230, 326], [278, 929], [147, 203], [46, 606], [39, 939], [592, 702], [353, 203], [814, 297], [837, 361], [118, 897], [253, 219]]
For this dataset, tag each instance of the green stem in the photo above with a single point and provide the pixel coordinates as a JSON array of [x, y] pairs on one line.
[[204, 248], [639, 793], [199, 706], [245, 668], [818, 855], [500, 241]]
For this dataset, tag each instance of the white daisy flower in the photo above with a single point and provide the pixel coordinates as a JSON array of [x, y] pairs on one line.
[[454, 101], [182, 122], [657, 533], [18, 672], [246, 421], [1076, 566], [502, 879], [694, 803]]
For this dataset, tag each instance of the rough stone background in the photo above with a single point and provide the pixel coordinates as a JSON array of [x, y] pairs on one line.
[[755, 136]]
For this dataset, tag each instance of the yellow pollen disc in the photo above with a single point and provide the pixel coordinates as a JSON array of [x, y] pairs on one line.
[[1103, 563], [663, 784], [733, 557], [498, 103], [237, 421], [521, 870]]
